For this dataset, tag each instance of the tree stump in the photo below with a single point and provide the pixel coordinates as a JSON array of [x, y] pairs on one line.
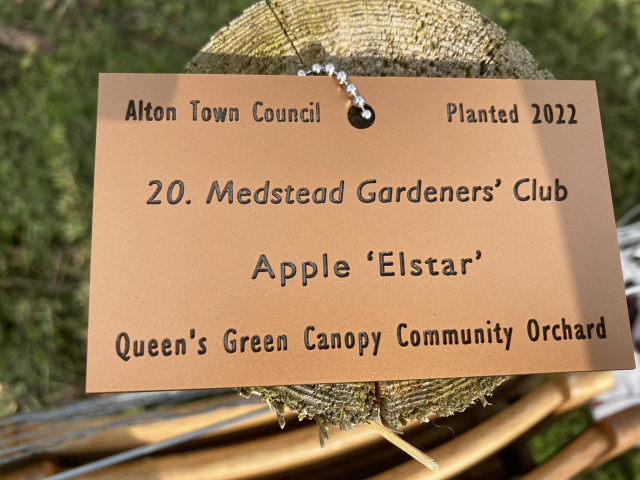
[[417, 38]]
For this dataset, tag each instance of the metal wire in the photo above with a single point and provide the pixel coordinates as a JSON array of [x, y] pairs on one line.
[[152, 448], [31, 434]]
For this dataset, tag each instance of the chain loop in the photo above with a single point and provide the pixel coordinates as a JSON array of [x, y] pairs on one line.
[[342, 79]]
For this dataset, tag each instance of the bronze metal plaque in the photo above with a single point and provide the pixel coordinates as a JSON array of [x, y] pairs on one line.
[[244, 233]]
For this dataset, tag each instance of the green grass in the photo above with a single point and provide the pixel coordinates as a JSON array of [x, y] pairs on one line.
[[559, 434], [589, 40], [47, 136], [625, 467], [567, 428]]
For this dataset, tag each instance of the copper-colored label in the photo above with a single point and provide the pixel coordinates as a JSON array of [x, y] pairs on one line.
[[245, 234]]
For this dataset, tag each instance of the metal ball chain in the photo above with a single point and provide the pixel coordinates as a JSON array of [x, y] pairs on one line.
[[341, 78]]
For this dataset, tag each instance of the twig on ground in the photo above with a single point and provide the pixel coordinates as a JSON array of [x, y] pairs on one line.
[[409, 449], [22, 40]]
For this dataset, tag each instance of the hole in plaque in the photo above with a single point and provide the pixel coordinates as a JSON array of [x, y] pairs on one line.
[[357, 120]]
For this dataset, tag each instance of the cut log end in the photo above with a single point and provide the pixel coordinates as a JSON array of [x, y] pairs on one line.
[[412, 38]]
